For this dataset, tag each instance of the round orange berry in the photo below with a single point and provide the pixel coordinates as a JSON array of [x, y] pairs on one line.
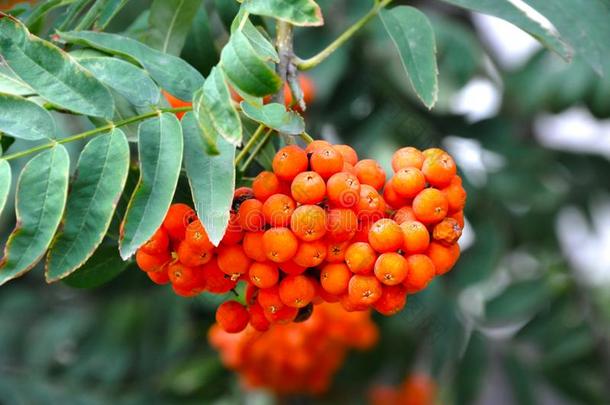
[[392, 198], [257, 317], [430, 206], [289, 161], [310, 254], [190, 255], [297, 291], [232, 260], [455, 194], [421, 272], [364, 289], [343, 190], [360, 258], [232, 316], [448, 231], [278, 209], [443, 257], [151, 263], [217, 282], [250, 214], [393, 299], [370, 204], [334, 278], [335, 251], [291, 268], [439, 169], [157, 244], [370, 172], [308, 222], [416, 237], [349, 154], [407, 157], [265, 184], [316, 144], [234, 233], [386, 236], [196, 236], [177, 219], [280, 244], [342, 224], [408, 182], [391, 268], [308, 188], [264, 275], [252, 246], [404, 214], [326, 161]]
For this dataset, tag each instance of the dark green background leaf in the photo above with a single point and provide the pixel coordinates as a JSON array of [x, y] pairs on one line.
[[103, 266]]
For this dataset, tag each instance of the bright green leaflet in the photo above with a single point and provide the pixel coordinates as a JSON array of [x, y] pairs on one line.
[[103, 266], [275, 116], [160, 152], [100, 177], [247, 69], [11, 84], [169, 22], [296, 12], [215, 106], [211, 178], [508, 11], [52, 73], [38, 125], [5, 182], [261, 44], [413, 36], [40, 201], [126, 79], [170, 72]]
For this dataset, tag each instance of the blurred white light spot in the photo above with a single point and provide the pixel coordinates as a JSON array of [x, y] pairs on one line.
[[574, 130], [468, 236], [473, 159], [478, 100], [510, 45], [587, 247]]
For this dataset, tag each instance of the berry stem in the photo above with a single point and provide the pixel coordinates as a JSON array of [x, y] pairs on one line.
[[306, 64], [256, 150], [94, 131], [306, 137], [251, 142]]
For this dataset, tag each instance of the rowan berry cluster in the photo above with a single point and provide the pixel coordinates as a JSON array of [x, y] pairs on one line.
[[416, 389], [323, 226], [297, 357]]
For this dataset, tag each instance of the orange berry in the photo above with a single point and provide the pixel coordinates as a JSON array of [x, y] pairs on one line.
[[291, 268], [335, 251], [185, 292], [217, 282], [342, 224], [455, 194], [257, 317], [310, 254], [308, 188], [269, 299], [265, 185], [278, 209], [393, 299], [316, 144], [408, 182], [196, 236], [407, 157], [297, 291], [264, 275], [176, 220], [280, 244], [289, 161], [386, 236], [416, 237], [326, 161], [392, 198], [432, 152], [232, 260], [443, 257], [308, 89], [308, 222], [360, 258], [242, 194], [157, 244], [421, 272], [184, 277], [370, 205], [283, 315], [364, 289], [234, 233], [151, 263], [404, 214], [252, 246], [343, 190], [351, 304], [349, 168], [159, 277], [362, 234], [459, 217], [175, 102], [448, 231], [439, 169], [430, 206], [250, 214], [232, 316], [370, 172], [391, 268], [190, 255], [334, 278], [349, 154]]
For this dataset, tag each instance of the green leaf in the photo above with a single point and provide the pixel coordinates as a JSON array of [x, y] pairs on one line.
[[214, 109], [199, 49], [170, 72], [13, 109], [40, 200], [41, 9], [5, 182], [587, 30], [296, 12], [211, 178], [52, 73], [11, 84], [126, 79], [261, 44], [247, 69], [100, 177], [413, 36], [67, 18], [275, 116], [103, 266], [160, 152], [169, 22], [109, 11], [508, 11], [471, 370]]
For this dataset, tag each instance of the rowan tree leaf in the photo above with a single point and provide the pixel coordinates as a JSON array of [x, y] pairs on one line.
[[275, 116], [211, 178], [6, 178], [38, 125], [169, 23], [11, 84], [103, 266], [160, 153], [413, 36], [40, 200], [110, 9], [170, 72], [296, 12], [101, 172], [51, 72]]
